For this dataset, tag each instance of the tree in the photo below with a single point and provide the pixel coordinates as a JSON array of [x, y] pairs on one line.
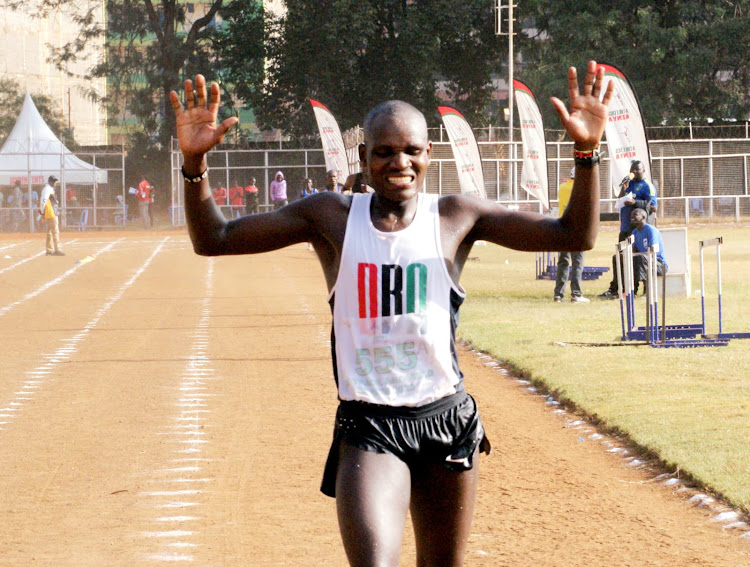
[[11, 102], [150, 47], [683, 57], [352, 54]]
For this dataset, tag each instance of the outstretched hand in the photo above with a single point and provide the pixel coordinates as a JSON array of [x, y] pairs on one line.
[[587, 117], [197, 131]]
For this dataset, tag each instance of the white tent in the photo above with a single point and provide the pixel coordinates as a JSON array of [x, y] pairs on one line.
[[32, 153]]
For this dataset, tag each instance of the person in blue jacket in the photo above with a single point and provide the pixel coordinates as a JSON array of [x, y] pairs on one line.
[[635, 193], [645, 235]]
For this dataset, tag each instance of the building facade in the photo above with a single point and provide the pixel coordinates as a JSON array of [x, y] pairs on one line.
[[25, 42]]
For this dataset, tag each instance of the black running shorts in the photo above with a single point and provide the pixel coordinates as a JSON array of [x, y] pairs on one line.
[[446, 431]]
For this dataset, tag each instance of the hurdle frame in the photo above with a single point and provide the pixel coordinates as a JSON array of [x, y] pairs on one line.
[[716, 242], [656, 341], [626, 293]]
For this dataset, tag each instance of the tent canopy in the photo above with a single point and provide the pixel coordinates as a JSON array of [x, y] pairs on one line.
[[32, 153]]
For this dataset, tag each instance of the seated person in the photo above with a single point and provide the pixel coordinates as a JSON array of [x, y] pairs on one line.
[[635, 192], [645, 235]]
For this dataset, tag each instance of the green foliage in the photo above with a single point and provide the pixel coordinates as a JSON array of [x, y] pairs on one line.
[[242, 52], [684, 58], [352, 54], [11, 102], [151, 46]]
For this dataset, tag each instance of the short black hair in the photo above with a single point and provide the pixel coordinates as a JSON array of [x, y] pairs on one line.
[[390, 108]]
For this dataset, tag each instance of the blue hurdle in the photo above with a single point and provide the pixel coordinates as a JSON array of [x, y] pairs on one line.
[[626, 292], [654, 339], [717, 242]]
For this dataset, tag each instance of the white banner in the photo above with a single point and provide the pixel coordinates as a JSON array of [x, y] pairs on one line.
[[465, 152], [625, 131], [534, 173], [330, 136]]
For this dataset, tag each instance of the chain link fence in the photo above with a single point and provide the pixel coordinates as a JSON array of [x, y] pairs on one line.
[[89, 196], [695, 179]]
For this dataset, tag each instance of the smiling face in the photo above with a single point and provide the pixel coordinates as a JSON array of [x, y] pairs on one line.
[[397, 151]]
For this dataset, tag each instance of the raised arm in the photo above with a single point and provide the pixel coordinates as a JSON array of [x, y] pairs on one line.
[[576, 230], [585, 123], [211, 234]]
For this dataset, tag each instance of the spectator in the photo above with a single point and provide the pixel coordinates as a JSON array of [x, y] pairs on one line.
[[277, 191], [48, 209], [17, 215], [251, 198], [220, 195], [565, 259], [635, 192], [144, 198], [308, 189], [644, 235], [236, 200], [332, 181]]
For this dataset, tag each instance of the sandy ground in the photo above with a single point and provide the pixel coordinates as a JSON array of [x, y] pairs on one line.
[[159, 408]]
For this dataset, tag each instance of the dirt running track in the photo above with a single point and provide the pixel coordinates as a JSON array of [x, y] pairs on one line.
[[159, 408]]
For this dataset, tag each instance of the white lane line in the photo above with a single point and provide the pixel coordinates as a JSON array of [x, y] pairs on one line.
[[21, 262], [15, 244], [55, 281], [187, 432], [64, 353]]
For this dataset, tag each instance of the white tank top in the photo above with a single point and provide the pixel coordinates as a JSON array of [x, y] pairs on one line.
[[395, 309]]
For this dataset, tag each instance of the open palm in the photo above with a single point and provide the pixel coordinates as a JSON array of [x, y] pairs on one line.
[[197, 130], [587, 118]]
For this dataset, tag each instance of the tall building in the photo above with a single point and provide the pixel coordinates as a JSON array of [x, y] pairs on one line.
[[24, 54]]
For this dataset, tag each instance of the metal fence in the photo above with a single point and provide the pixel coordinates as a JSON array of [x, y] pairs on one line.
[[695, 179], [230, 168], [88, 197]]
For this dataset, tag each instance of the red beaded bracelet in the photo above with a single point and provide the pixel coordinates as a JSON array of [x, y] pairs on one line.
[[586, 158]]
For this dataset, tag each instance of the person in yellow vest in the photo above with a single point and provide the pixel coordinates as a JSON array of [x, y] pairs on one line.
[[565, 259], [48, 211]]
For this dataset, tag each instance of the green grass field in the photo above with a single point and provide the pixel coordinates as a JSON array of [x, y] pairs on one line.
[[690, 407]]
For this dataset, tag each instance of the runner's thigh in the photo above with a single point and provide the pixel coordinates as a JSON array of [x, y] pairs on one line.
[[442, 508], [372, 499]]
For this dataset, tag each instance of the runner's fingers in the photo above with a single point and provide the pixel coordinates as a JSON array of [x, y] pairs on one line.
[[599, 78], [176, 105], [588, 83], [189, 94], [573, 83], [215, 97], [608, 93], [200, 90]]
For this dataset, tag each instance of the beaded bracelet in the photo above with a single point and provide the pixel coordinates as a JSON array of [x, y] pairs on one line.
[[197, 178], [586, 158]]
